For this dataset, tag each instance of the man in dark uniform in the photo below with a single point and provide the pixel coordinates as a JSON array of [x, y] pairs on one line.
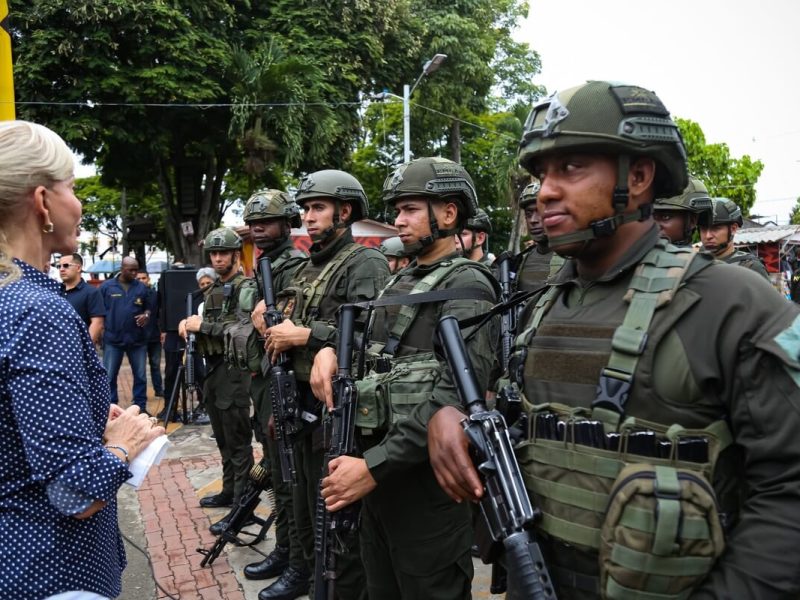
[[717, 231], [128, 308], [84, 298], [474, 238], [415, 542], [271, 214], [645, 340], [338, 271], [677, 216], [226, 389], [153, 337]]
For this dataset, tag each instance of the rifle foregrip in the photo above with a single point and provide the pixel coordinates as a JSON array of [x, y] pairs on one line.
[[527, 574]]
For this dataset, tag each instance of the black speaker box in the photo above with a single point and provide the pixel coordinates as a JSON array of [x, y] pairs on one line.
[[173, 286]]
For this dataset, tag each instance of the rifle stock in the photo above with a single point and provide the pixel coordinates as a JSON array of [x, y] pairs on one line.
[[260, 479], [334, 532], [191, 349], [506, 507], [282, 383]]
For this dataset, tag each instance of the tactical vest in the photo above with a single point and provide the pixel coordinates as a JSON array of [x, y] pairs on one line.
[[628, 509], [220, 306], [301, 301], [745, 259], [244, 346], [404, 368]]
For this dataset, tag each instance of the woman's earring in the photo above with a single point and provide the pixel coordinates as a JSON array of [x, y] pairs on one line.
[[47, 228]]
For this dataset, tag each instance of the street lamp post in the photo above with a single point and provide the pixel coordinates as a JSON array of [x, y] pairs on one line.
[[428, 68]]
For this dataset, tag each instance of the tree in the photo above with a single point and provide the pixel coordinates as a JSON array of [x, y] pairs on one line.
[[794, 217], [724, 176], [144, 90]]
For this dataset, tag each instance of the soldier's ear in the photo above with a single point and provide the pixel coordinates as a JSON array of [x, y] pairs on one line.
[[641, 178], [345, 212]]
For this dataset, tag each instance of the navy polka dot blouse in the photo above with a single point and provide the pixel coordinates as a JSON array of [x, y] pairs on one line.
[[54, 401]]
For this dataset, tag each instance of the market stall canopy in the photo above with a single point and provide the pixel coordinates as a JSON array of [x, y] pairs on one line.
[[767, 235], [104, 266], [157, 266]]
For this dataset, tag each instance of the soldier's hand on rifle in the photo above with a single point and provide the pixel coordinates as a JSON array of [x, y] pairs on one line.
[[182, 329], [283, 337], [448, 449], [322, 372], [193, 323], [257, 316], [348, 480]]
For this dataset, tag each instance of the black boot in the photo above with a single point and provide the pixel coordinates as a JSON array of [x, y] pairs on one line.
[[270, 567], [217, 500], [218, 527], [290, 585]]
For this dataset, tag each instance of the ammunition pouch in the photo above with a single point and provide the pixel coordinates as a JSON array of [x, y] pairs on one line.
[[387, 397], [244, 347], [637, 495]]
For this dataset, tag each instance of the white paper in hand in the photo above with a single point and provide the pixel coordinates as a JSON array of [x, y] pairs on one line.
[[148, 457]]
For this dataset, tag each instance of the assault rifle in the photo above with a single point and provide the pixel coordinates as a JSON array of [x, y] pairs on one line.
[[259, 480], [334, 532], [506, 507], [282, 383], [191, 349], [508, 400]]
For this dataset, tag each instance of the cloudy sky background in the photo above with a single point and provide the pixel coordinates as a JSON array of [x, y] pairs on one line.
[[729, 66]]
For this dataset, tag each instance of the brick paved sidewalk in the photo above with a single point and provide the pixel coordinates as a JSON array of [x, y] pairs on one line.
[[165, 518]]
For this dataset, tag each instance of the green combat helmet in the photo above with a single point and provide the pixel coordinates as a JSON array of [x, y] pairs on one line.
[[339, 187], [392, 248], [608, 118], [529, 195], [725, 212], [694, 200], [272, 204], [223, 238], [433, 178], [479, 222]]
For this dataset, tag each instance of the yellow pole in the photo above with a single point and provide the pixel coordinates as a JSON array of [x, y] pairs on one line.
[[6, 67]]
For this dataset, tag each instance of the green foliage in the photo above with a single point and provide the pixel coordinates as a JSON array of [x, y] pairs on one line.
[[723, 175], [794, 217]]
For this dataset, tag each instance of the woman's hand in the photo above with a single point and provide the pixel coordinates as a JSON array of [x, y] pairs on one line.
[[130, 429]]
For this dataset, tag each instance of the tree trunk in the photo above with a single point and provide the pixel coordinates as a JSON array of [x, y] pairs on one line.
[[455, 141]]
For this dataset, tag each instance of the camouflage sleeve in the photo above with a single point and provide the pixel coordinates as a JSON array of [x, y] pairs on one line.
[[406, 443], [366, 275], [761, 559]]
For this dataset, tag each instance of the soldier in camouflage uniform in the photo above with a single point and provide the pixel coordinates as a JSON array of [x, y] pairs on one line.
[[717, 231], [534, 263], [338, 271], [226, 389], [668, 370], [474, 238], [677, 216], [271, 214], [392, 249], [415, 542]]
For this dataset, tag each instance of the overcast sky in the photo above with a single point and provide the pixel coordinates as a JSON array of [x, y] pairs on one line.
[[730, 66]]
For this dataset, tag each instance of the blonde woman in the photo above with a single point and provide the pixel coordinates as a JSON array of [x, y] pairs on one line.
[[64, 451]]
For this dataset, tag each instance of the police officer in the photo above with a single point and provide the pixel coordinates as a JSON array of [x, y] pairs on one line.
[[271, 214], [474, 238], [677, 216], [534, 265], [642, 342], [226, 390], [392, 249], [338, 271], [717, 231], [415, 542]]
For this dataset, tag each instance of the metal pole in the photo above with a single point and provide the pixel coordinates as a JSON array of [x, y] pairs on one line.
[[7, 112], [406, 124]]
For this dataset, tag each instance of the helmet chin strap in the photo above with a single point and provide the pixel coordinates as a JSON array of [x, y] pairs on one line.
[[608, 226], [422, 246], [723, 247], [329, 232]]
